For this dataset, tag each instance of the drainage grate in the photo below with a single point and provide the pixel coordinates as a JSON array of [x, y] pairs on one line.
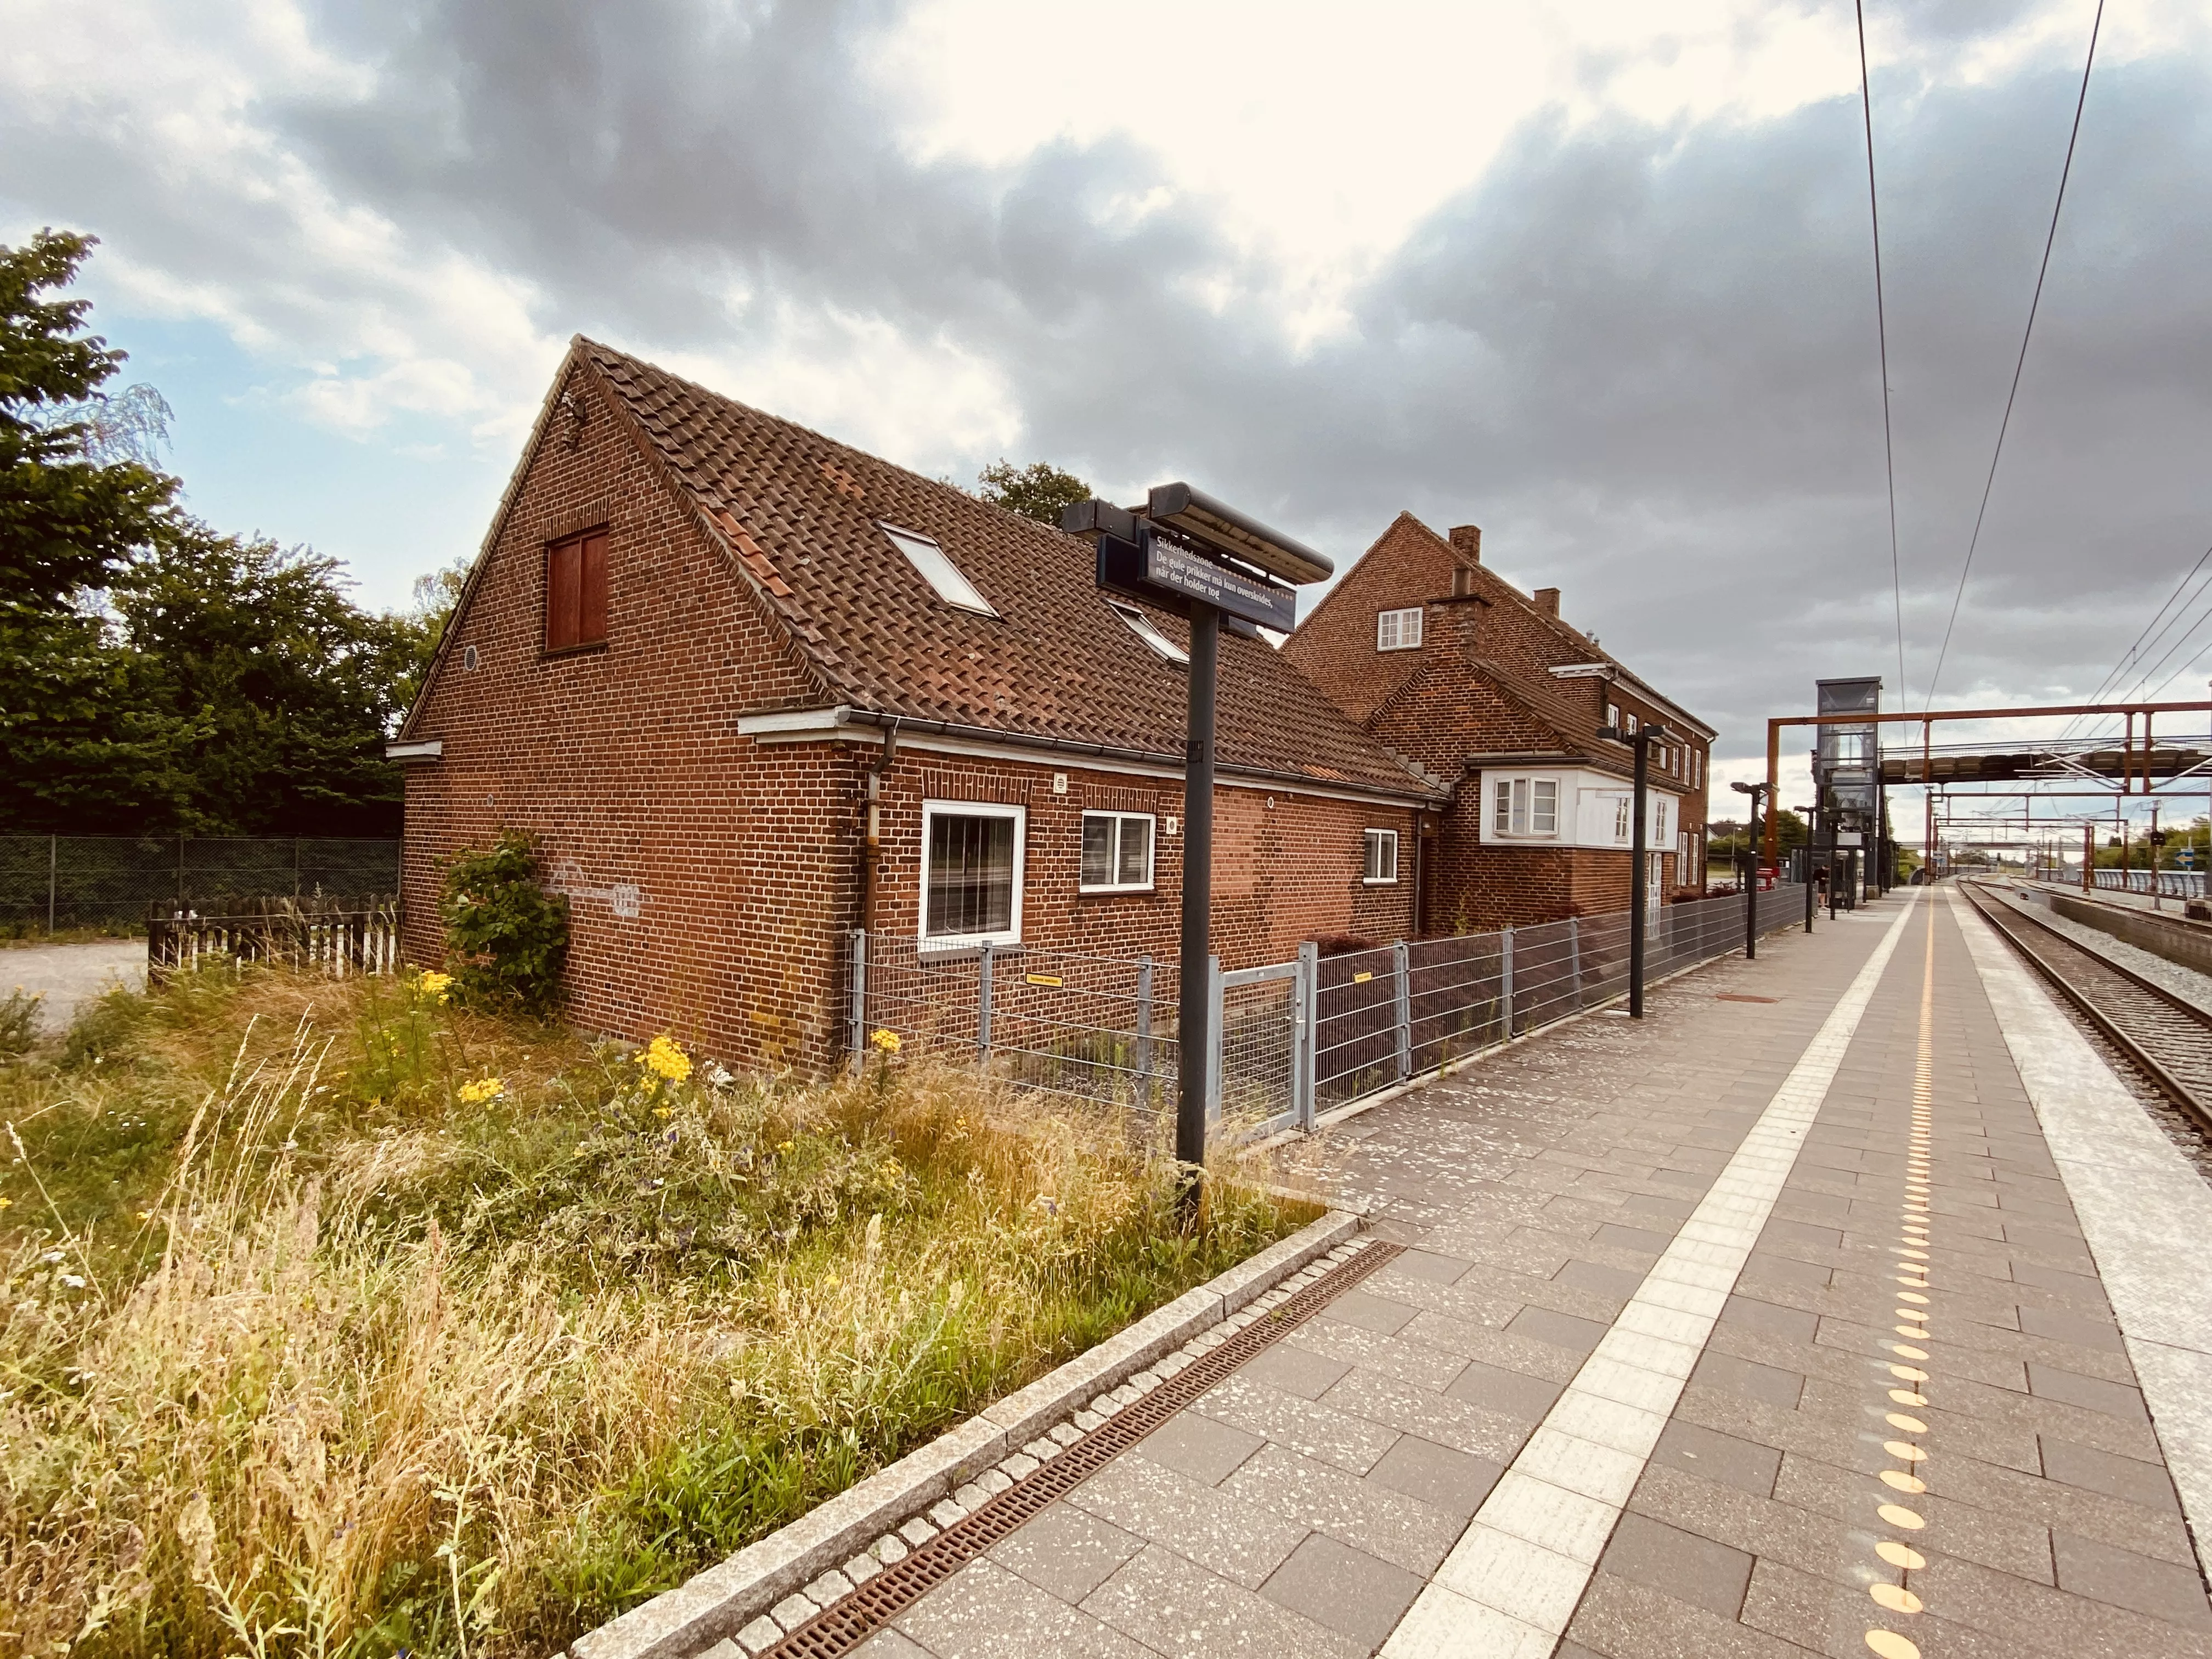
[[845, 1624]]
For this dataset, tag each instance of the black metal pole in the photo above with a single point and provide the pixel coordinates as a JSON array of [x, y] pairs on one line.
[[1635, 855], [1195, 1008], [1751, 881], [1805, 865]]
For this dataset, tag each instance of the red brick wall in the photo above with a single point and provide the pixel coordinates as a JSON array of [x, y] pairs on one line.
[[627, 764]]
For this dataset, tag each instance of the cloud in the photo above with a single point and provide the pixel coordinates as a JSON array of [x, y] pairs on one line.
[[1597, 282]]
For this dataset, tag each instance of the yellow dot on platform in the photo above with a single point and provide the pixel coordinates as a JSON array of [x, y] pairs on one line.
[[1906, 1397], [1907, 1250], [1913, 1296], [1899, 1480], [1918, 1333], [1890, 1645], [1900, 1555], [1895, 1597], [1909, 1425], [1903, 1451], [1899, 1348], [1908, 1373], [1897, 1516]]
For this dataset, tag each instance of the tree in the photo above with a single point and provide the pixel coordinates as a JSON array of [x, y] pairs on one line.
[[422, 624], [273, 692], [1037, 491]]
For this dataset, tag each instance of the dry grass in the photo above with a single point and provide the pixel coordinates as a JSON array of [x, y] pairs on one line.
[[303, 1356]]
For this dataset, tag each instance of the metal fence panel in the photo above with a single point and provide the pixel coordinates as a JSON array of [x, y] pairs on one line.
[[88, 881], [1289, 1038], [1097, 1029]]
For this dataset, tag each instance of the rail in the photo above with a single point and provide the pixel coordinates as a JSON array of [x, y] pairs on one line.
[[2167, 1035], [340, 938]]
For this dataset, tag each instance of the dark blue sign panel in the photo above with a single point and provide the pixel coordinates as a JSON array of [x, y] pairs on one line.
[[1170, 575]]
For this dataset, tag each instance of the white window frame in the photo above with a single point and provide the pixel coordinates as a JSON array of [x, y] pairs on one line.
[[1147, 630], [1011, 934], [1151, 853], [934, 565], [1370, 839], [1624, 818], [1516, 803], [1399, 629]]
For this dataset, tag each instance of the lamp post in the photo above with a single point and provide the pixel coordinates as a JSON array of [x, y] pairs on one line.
[[1812, 815], [1642, 739], [1757, 794]]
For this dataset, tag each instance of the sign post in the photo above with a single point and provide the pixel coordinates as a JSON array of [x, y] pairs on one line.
[[1192, 556]]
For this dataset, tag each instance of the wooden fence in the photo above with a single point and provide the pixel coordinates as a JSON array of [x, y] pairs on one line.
[[337, 937]]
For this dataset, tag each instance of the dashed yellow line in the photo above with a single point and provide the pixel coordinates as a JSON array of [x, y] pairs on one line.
[[1914, 1256]]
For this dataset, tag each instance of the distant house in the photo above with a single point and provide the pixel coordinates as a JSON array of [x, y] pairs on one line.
[[702, 647], [1439, 658]]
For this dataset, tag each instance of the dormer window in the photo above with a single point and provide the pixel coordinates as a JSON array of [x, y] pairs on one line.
[[938, 569], [1398, 630], [1146, 629]]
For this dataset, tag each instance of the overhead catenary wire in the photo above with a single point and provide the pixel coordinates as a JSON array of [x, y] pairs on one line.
[[2146, 641], [2027, 334], [1881, 340]]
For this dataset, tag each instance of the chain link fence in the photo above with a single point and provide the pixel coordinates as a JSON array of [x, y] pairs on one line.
[[54, 881], [1291, 1040]]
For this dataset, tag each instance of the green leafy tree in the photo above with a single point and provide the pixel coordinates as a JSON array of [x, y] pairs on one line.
[[271, 691], [507, 938], [422, 624], [77, 503], [1037, 491]]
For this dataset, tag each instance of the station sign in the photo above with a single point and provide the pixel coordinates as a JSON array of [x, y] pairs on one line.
[[1166, 573]]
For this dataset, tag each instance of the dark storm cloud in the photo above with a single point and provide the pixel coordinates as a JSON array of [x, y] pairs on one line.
[[1643, 357]]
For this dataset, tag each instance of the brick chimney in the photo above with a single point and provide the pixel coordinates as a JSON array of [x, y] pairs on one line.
[[1547, 600], [1467, 541]]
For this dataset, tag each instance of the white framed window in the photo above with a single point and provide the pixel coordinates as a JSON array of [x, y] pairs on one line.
[[938, 569], [1613, 717], [1398, 630], [1380, 862], [1525, 806], [1117, 853], [1697, 768], [1146, 629], [971, 872], [1624, 818]]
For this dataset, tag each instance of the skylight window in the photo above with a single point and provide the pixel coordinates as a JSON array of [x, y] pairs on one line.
[[1142, 626], [937, 569]]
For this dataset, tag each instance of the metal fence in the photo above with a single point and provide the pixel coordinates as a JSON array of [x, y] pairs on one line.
[[2172, 884], [338, 937], [89, 881], [1289, 1040]]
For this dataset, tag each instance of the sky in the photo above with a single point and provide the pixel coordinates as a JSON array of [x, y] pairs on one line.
[[1596, 277]]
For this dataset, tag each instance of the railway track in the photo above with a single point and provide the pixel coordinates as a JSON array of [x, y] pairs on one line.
[[2169, 1038]]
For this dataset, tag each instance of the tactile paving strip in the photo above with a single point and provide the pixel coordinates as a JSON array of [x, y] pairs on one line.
[[847, 1622]]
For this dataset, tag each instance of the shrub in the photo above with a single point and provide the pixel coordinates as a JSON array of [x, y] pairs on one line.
[[19, 1022], [507, 938]]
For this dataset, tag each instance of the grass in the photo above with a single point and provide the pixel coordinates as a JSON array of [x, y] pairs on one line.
[[305, 1350]]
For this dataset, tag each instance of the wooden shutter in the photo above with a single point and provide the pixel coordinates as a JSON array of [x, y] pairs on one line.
[[591, 582], [563, 569]]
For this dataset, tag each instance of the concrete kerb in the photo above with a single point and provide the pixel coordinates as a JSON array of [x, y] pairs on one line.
[[727, 1597]]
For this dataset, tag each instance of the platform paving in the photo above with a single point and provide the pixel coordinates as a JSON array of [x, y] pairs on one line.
[[1759, 1328]]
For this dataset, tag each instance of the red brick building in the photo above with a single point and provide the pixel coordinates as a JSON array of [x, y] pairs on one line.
[[1439, 658], [702, 646]]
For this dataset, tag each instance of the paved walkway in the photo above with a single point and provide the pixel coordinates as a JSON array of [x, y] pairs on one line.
[[1772, 1325], [67, 975]]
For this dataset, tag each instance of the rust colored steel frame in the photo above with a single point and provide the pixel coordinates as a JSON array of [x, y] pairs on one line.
[[1776, 725]]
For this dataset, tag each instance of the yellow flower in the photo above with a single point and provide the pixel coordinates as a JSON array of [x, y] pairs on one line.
[[664, 1111], [434, 985], [483, 1090], [885, 1041], [145, 1215], [7, 1203], [664, 1058], [783, 1145]]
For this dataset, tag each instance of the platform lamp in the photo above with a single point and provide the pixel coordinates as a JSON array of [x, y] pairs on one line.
[[1757, 794], [1643, 737]]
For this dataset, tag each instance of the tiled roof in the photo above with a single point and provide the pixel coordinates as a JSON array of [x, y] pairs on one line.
[[800, 512]]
